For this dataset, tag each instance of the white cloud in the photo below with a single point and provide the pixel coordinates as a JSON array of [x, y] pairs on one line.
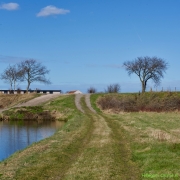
[[9, 6], [51, 10]]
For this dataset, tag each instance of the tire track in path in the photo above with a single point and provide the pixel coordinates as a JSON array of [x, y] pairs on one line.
[[77, 102], [88, 102]]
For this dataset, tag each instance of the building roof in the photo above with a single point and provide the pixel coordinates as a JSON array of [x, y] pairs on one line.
[[31, 90], [72, 91]]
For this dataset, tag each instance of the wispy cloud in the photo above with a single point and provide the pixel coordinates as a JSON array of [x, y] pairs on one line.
[[113, 66], [105, 65], [10, 59], [51, 10], [9, 6]]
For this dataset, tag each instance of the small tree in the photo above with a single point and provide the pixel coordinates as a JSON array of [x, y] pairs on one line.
[[147, 68], [11, 75], [33, 71], [91, 90], [113, 88]]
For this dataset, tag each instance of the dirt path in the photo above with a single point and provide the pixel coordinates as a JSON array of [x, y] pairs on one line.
[[36, 101], [77, 102], [88, 102], [105, 155]]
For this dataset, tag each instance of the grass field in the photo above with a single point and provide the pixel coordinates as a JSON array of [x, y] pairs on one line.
[[154, 139], [105, 145]]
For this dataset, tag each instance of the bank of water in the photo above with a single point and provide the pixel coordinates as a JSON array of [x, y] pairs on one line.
[[15, 136]]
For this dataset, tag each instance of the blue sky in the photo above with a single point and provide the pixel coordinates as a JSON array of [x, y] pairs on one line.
[[84, 43]]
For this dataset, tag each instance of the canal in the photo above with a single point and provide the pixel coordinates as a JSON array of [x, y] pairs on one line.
[[15, 136]]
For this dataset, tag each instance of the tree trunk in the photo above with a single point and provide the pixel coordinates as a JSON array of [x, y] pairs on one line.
[[28, 86], [14, 85], [143, 86], [11, 85]]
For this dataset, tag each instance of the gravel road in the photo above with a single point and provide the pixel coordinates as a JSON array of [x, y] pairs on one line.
[[36, 101]]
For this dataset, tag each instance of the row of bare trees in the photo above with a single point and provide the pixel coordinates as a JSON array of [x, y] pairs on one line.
[[146, 68], [26, 71]]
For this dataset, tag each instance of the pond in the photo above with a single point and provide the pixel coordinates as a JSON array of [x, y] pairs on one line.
[[15, 136]]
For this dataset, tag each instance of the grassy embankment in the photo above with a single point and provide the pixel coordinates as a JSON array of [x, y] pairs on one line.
[[154, 137], [51, 157], [85, 148], [101, 146]]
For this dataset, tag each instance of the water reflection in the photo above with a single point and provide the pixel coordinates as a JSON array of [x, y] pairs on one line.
[[15, 136]]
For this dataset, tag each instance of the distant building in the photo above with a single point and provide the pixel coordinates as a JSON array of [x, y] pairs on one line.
[[75, 92], [30, 91]]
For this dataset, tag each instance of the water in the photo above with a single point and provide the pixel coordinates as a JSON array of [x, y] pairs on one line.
[[18, 135]]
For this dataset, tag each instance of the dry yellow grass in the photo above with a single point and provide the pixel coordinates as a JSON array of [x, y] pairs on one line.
[[8, 100]]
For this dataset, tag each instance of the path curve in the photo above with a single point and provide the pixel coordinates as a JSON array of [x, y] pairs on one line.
[[39, 100]]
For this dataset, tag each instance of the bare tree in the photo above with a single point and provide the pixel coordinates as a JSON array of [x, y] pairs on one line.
[[91, 90], [147, 68], [113, 88], [11, 75], [33, 71]]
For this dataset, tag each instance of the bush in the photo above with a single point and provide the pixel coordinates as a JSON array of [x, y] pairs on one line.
[[18, 90], [156, 102], [91, 90], [11, 92], [113, 88], [113, 102]]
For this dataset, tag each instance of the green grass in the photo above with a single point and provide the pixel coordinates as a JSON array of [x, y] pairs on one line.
[[100, 146], [19, 113], [63, 104], [51, 157], [154, 139], [93, 99]]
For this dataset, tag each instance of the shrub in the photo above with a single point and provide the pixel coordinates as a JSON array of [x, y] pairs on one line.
[[11, 92], [113, 88], [18, 90], [91, 90], [156, 102]]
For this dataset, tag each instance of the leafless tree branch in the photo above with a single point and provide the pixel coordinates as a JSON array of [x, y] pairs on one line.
[[147, 68], [33, 71]]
